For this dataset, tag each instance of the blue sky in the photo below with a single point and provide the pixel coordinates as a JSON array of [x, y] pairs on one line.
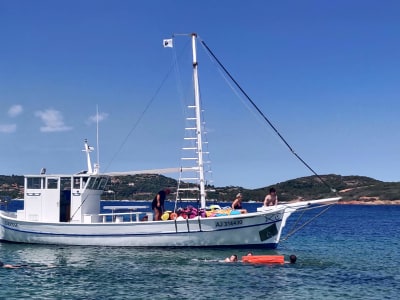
[[326, 73]]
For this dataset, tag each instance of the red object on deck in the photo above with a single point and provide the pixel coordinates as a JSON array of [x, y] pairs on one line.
[[264, 259]]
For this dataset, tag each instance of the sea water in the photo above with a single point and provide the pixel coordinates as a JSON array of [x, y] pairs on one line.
[[350, 252]]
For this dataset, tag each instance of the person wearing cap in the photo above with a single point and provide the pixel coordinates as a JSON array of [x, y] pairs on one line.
[[237, 203], [158, 203]]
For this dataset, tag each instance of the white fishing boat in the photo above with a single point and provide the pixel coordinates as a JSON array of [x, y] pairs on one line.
[[66, 209]]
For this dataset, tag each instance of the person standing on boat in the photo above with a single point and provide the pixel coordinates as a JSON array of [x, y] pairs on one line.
[[158, 203], [272, 198]]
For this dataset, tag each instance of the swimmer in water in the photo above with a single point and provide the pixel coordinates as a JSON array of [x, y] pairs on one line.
[[8, 266], [232, 258], [292, 259]]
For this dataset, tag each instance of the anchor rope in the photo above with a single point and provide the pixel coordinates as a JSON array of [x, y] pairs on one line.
[[294, 230]]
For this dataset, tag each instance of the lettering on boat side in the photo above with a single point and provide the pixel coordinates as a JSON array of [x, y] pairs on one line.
[[10, 224], [273, 218], [228, 223]]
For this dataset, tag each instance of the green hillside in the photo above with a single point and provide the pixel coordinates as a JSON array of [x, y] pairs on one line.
[[145, 186]]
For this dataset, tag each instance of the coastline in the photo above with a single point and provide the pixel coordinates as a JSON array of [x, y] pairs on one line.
[[372, 202]]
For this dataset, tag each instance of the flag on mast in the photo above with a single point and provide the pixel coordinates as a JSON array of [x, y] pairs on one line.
[[168, 43]]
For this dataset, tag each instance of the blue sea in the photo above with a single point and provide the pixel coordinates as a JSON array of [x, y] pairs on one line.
[[350, 252]]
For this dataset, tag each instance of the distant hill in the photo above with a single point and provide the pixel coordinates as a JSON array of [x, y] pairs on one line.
[[350, 188], [145, 186]]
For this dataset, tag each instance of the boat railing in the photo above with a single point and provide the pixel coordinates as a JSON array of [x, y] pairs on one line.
[[125, 213], [118, 217]]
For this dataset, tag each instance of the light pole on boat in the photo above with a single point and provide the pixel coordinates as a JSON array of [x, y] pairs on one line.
[[87, 150]]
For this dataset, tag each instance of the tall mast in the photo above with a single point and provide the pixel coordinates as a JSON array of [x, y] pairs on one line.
[[198, 123]]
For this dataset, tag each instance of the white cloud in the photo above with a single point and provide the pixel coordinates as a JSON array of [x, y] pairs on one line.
[[15, 110], [8, 128], [53, 121], [100, 117]]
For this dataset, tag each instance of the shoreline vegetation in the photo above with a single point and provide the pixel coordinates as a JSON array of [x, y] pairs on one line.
[[354, 190]]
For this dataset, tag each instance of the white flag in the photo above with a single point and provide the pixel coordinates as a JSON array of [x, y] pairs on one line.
[[168, 43]]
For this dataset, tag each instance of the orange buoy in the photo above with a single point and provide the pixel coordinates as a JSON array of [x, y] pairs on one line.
[[173, 216], [264, 259]]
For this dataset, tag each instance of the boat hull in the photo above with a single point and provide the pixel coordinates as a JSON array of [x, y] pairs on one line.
[[260, 229]]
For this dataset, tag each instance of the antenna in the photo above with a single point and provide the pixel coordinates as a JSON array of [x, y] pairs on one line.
[[97, 165]]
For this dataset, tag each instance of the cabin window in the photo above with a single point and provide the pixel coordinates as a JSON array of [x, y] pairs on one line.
[[97, 183], [77, 183], [84, 181], [65, 183], [34, 183], [52, 183], [102, 183], [91, 182]]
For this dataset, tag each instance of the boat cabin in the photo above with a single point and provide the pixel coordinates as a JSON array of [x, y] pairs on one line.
[[62, 198]]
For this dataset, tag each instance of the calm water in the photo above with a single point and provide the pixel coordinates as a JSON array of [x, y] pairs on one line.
[[351, 252]]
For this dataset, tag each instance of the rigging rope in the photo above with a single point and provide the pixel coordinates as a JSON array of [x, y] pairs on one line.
[[294, 230], [149, 103], [264, 117], [136, 123], [77, 209]]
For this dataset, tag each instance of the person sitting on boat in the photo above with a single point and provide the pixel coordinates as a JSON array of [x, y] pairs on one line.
[[232, 258], [272, 198], [158, 203], [237, 203]]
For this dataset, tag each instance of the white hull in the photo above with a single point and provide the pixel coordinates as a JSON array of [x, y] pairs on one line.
[[260, 229]]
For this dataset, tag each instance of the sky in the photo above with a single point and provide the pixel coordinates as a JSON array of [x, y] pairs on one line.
[[325, 73]]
